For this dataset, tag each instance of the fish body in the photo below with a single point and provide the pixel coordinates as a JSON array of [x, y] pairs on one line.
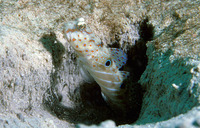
[[98, 61]]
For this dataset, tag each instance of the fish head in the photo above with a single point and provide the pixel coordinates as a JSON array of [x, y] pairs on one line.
[[102, 60], [91, 52], [80, 37]]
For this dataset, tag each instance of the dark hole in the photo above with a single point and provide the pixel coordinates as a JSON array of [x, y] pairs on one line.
[[92, 108], [146, 31], [56, 49], [122, 86]]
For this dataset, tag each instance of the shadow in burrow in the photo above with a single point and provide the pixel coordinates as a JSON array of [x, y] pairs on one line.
[[136, 65], [91, 108]]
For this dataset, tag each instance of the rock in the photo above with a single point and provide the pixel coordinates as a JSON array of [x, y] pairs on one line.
[[23, 80], [172, 88], [186, 120], [40, 85], [105, 124]]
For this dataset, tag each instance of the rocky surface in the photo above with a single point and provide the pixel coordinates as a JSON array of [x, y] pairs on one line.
[[171, 78], [40, 85], [187, 120]]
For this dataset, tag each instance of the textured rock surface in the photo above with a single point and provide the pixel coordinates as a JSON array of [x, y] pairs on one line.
[[39, 78], [187, 120], [40, 85], [24, 78], [171, 79], [190, 119], [105, 124]]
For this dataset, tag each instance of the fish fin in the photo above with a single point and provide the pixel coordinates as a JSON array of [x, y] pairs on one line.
[[124, 74], [104, 97], [84, 73], [118, 56]]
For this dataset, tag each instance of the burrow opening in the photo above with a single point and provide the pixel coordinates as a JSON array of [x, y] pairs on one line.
[[136, 65], [92, 109]]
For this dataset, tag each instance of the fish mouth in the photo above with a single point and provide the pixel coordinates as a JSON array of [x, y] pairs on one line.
[[67, 27], [68, 36]]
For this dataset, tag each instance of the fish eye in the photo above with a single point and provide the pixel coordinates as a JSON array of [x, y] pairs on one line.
[[108, 63]]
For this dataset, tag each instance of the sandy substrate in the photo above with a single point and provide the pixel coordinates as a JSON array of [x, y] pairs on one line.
[[40, 84]]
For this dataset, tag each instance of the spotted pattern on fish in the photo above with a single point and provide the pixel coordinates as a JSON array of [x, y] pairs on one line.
[[101, 63]]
